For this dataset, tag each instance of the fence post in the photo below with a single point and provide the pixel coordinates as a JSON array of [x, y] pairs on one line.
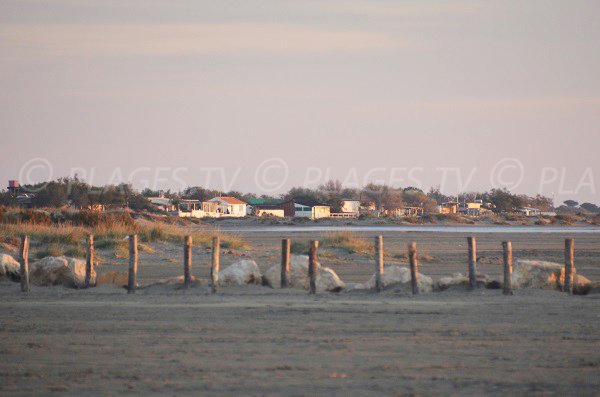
[[187, 261], [313, 253], [472, 262], [133, 263], [414, 267], [89, 260], [24, 261], [285, 262], [569, 266], [214, 271], [508, 266], [379, 263]]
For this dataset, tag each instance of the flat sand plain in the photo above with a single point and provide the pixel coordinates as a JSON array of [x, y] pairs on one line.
[[259, 341]]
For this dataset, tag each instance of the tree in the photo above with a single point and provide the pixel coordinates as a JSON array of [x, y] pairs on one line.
[[571, 203], [590, 207], [504, 200], [439, 197], [53, 194]]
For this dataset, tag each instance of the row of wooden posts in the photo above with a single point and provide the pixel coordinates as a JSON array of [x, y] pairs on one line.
[[312, 264]]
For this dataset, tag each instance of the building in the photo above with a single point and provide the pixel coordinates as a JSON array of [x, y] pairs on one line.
[[449, 207], [528, 211], [474, 208], [269, 210], [405, 211], [229, 206], [413, 211], [306, 209], [163, 203], [254, 204], [350, 206]]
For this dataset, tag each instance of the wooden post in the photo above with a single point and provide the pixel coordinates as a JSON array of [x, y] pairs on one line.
[[472, 262], [313, 253], [414, 267], [285, 262], [569, 266], [133, 263], [508, 266], [214, 271], [379, 263], [187, 261], [89, 260], [24, 261]]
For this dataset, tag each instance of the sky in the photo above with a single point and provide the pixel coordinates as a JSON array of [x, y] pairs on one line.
[[260, 96]]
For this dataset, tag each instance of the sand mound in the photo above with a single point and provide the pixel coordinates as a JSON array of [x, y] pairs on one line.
[[118, 278]]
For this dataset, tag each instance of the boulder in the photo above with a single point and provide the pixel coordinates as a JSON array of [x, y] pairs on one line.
[[60, 270], [10, 269], [240, 273], [545, 275], [399, 277], [326, 280], [460, 281]]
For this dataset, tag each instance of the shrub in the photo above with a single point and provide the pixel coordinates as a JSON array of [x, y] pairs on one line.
[[347, 241], [299, 248]]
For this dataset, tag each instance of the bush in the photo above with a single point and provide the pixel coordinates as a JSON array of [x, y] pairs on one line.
[[348, 242], [299, 248]]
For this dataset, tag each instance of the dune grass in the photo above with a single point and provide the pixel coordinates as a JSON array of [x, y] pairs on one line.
[[347, 241], [58, 240]]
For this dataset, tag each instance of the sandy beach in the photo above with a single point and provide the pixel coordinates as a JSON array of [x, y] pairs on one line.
[[256, 340]]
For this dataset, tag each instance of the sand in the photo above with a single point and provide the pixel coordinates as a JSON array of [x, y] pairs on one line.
[[258, 341]]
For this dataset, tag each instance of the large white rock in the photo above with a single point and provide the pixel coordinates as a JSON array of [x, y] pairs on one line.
[[10, 269], [326, 280], [399, 276], [240, 273], [544, 275], [60, 270]]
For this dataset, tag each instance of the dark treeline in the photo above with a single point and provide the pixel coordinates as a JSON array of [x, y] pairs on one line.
[[77, 193]]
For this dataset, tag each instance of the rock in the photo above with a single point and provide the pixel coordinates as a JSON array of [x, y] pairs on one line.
[[545, 275], [10, 269], [327, 279], [458, 280], [60, 270], [399, 276], [118, 278], [240, 273]]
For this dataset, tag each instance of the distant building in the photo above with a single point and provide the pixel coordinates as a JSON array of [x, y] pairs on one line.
[[255, 204], [528, 211], [163, 203], [269, 210], [306, 209], [229, 206], [474, 208], [350, 206], [449, 207]]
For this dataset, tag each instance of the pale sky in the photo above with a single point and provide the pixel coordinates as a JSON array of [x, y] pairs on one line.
[[466, 94]]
